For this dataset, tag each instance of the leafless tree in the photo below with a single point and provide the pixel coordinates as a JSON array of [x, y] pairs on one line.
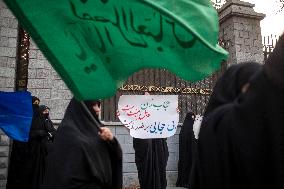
[[218, 3], [281, 8]]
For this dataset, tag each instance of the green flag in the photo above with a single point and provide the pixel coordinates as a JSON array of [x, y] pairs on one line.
[[95, 45]]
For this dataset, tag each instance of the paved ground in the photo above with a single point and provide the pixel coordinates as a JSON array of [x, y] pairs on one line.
[[170, 187]]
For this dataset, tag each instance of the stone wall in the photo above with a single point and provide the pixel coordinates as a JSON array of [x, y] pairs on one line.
[[45, 83], [8, 43]]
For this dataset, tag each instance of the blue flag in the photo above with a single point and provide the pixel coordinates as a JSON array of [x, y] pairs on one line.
[[16, 114]]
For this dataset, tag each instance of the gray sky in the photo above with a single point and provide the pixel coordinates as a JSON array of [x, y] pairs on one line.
[[273, 23]]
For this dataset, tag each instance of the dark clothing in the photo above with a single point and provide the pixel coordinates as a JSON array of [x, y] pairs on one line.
[[80, 158], [241, 143], [48, 125], [27, 161], [151, 157], [229, 85], [225, 92], [240, 146], [186, 140], [19, 171]]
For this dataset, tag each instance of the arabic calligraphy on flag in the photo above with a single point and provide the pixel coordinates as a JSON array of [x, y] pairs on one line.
[[149, 116], [123, 22]]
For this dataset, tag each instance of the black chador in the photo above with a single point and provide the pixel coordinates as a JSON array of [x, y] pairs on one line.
[[28, 159], [241, 143], [80, 158], [151, 156], [228, 87], [186, 140]]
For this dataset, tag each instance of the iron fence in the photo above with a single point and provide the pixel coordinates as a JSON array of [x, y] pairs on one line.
[[191, 100], [269, 43]]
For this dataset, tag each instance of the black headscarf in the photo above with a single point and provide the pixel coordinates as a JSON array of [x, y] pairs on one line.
[[241, 145], [38, 127], [43, 107], [48, 124], [229, 85], [34, 98], [186, 138], [90, 104], [80, 158]]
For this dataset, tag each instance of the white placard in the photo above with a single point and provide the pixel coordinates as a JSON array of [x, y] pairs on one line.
[[197, 125], [149, 116]]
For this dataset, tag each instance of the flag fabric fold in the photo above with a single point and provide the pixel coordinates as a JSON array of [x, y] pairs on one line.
[[95, 45], [16, 114]]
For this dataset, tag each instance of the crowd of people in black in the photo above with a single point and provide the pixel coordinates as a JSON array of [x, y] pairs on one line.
[[240, 144]]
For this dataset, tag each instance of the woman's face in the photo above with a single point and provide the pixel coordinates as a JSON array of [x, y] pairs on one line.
[[36, 102], [46, 111], [97, 108]]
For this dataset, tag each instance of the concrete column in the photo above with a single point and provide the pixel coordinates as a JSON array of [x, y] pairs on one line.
[[240, 31]]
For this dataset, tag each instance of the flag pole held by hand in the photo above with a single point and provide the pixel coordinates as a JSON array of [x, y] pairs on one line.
[[97, 124]]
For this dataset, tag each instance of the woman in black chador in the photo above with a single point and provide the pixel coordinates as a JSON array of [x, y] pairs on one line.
[[226, 90], [151, 157], [186, 139], [44, 112], [84, 155], [241, 143], [27, 161]]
